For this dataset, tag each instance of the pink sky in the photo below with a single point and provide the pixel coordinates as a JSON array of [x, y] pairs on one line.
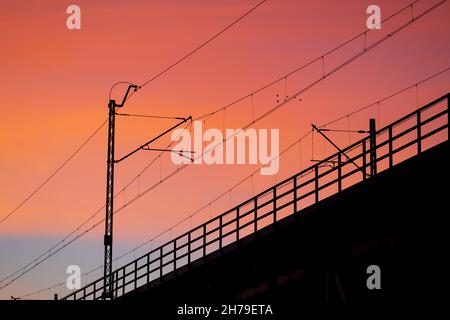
[[55, 84]]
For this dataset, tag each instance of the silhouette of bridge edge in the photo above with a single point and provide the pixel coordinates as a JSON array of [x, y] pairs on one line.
[[120, 289]]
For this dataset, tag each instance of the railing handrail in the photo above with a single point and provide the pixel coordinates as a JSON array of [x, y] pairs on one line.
[[172, 244]]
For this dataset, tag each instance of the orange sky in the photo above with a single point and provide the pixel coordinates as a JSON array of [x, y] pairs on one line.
[[54, 92]]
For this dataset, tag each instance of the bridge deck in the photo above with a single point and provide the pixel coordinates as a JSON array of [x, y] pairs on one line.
[[320, 254]]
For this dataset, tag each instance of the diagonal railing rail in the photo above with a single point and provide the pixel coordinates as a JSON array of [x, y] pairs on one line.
[[408, 136]]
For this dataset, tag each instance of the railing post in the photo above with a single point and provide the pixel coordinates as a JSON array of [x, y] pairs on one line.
[[391, 156], [255, 214], [339, 172], [295, 193], [115, 277], [160, 262], [174, 255], [237, 223], [116, 289], [95, 289], [189, 247], [274, 204], [316, 182], [364, 159], [373, 148], [148, 267], [220, 231], [419, 133], [204, 240], [448, 116], [135, 274], [123, 280]]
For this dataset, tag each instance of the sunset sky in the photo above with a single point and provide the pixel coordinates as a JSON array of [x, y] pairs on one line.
[[55, 84]]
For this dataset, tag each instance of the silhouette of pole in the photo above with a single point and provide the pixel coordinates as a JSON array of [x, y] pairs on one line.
[[108, 275], [108, 281]]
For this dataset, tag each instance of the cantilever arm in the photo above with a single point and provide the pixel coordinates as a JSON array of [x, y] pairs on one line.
[[334, 145], [154, 139], [178, 152]]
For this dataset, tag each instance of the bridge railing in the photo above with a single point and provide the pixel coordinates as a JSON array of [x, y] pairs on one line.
[[394, 143]]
